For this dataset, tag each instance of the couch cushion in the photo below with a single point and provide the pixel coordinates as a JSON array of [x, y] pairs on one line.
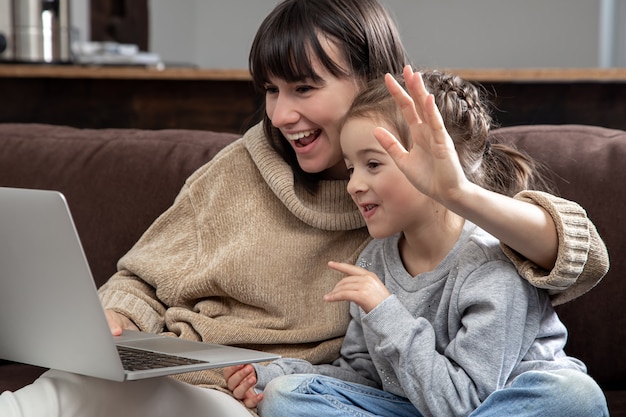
[[588, 166], [116, 181]]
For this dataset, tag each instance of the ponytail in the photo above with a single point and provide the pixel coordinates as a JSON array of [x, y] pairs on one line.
[[507, 170]]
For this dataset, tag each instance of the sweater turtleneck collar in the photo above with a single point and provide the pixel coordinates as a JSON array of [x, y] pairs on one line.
[[330, 208]]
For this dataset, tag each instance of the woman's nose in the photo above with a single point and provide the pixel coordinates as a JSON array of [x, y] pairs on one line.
[[282, 111]]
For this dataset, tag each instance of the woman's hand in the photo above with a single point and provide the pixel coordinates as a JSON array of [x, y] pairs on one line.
[[118, 322], [432, 164], [360, 286], [241, 380]]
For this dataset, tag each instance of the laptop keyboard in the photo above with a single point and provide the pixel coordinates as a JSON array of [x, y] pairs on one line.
[[137, 360]]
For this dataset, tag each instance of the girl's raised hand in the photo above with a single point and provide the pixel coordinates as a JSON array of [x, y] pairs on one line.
[[432, 164]]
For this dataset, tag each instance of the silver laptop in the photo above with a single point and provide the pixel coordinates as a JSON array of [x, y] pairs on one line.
[[50, 313]]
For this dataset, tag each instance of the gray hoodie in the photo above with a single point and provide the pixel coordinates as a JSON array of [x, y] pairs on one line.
[[447, 338]]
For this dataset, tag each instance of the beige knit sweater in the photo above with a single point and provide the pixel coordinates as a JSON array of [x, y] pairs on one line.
[[240, 259]]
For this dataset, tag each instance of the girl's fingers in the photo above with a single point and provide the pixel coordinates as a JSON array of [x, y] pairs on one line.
[[235, 375], [231, 370], [253, 401], [403, 100], [434, 120], [414, 106], [347, 269], [390, 144], [425, 105], [416, 90]]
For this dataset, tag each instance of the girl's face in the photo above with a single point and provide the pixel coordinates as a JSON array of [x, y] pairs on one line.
[[308, 114], [388, 202]]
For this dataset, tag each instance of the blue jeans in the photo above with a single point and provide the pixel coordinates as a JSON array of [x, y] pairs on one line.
[[563, 393]]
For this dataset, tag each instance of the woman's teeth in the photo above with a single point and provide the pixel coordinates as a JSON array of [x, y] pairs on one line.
[[299, 135], [302, 139]]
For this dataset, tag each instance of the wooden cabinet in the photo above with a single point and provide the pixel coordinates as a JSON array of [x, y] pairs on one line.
[[225, 100], [128, 97]]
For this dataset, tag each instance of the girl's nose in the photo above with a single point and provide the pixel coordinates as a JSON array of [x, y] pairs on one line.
[[282, 111], [355, 184]]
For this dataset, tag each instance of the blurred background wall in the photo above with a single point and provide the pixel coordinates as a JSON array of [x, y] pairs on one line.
[[437, 33]]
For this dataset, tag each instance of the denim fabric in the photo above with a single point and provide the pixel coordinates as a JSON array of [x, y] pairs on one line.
[[306, 395], [562, 393]]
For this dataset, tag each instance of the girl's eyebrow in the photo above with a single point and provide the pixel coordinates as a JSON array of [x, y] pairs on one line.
[[366, 151], [371, 150]]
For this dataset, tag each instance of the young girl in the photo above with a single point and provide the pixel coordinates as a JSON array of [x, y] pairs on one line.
[[240, 256], [441, 320]]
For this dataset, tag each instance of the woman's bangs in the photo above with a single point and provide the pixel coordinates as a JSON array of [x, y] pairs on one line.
[[280, 54]]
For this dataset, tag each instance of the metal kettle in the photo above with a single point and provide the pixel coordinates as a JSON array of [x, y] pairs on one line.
[[35, 31]]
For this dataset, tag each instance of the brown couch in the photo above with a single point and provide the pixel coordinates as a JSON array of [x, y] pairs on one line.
[[118, 181]]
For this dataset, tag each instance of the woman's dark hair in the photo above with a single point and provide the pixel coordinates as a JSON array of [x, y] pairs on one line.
[[466, 114], [288, 41]]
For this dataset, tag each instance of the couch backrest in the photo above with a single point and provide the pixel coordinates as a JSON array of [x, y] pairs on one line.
[[589, 167], [116, 181]]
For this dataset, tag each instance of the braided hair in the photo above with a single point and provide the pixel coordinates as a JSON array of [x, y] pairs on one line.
[[466, 115]]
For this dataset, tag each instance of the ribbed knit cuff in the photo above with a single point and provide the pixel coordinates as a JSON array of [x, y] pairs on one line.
[[573, 232], [137, 310]]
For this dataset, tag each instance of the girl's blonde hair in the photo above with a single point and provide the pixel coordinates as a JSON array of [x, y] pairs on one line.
[[465, 111]]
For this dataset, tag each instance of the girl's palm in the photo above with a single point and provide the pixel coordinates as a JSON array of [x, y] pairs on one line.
[[432, 164]]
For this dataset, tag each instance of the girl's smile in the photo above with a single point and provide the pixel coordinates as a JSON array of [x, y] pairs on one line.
[[368, 210]]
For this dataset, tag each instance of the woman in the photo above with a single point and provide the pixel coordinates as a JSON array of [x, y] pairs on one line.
[[240, 257]]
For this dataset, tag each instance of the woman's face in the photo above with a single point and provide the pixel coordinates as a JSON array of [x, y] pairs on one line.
[[308, 114]]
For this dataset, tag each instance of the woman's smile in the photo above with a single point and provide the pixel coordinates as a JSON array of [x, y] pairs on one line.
[[303, 139]]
